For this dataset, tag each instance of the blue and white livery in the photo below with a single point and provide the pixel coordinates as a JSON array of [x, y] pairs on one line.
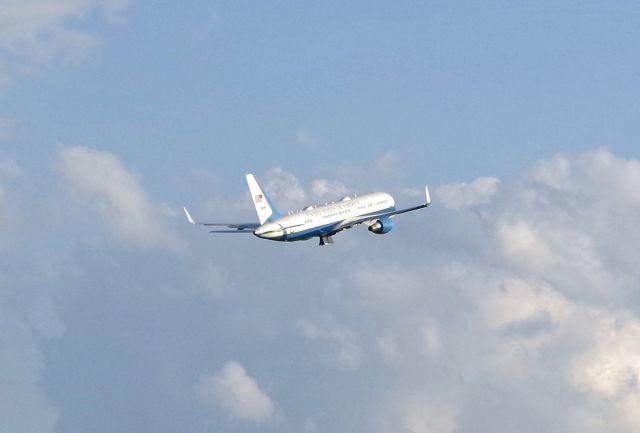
[[376, 210]]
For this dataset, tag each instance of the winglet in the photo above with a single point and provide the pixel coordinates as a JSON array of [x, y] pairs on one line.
[[186, 212], [428, 197]]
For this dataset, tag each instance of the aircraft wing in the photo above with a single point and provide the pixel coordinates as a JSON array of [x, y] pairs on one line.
[[371, 217], [235, 227]]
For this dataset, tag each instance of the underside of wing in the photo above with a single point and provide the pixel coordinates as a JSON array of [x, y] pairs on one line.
[[238, 226], [232, 231], [352, 222]]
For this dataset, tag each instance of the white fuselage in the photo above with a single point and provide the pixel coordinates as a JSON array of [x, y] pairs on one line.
[[324, 220]]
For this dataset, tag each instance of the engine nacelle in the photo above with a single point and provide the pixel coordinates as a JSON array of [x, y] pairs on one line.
[[382, 226]]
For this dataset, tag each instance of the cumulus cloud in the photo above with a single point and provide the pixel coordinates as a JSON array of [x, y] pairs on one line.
[[324, 188], [36, 33], [542, 306], [592, 174], [284, 187], [237, 393], [461, 195], [608, 370], [603, 363], [522, 314], [289, 192], [524, 244], [100, 178]]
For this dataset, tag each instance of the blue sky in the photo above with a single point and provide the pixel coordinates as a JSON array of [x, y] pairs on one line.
[[509, 305]]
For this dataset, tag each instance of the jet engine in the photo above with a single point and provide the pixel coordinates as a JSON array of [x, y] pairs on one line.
[[381, 226]]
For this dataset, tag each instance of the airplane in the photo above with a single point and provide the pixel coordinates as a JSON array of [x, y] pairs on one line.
[[376, 210]]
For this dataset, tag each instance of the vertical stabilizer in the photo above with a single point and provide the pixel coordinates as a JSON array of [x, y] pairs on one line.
[[265, 209]]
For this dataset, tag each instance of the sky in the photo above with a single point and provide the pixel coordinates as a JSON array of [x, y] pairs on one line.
[[510, 304]]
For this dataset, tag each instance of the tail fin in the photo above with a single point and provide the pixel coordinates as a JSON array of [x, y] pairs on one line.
[[265, 209]]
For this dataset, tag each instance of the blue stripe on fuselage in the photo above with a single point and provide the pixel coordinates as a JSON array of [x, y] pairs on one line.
[[307, 234]]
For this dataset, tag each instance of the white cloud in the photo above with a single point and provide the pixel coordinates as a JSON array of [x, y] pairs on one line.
[[522, 243], [608, 371], [523, 315], [534, 298], [589, 349], [611, 366], [461, 195], [284, 188], [288, 192], [36, 33], [555, 173], [100, 177], [237, 393], [328, 189], [593, 175], [511, 300]]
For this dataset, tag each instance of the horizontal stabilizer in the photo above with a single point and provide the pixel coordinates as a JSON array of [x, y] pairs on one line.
[[239, 227]]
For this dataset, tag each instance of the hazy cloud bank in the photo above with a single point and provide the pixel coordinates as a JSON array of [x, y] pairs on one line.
[[541, 307], [116, 193], [517, 312], [37, 33]]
